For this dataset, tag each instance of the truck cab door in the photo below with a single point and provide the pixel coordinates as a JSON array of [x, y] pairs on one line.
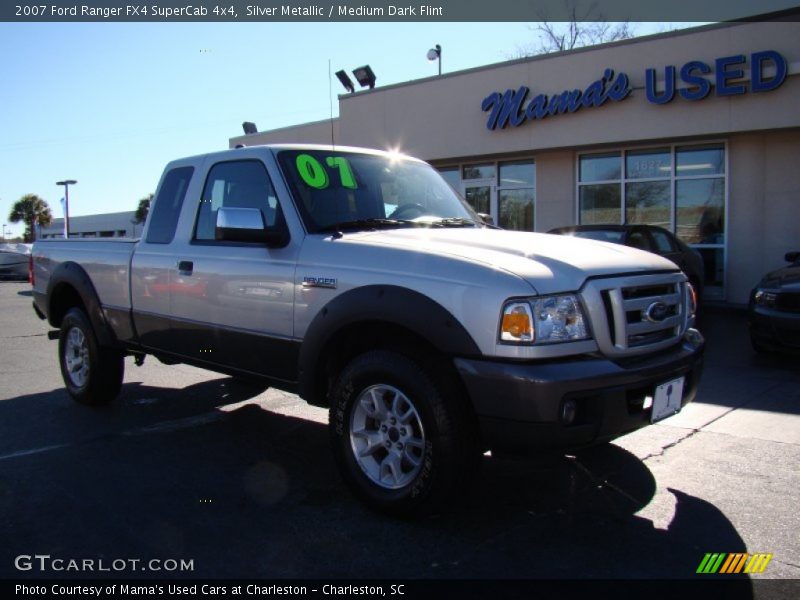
[[232, 303]]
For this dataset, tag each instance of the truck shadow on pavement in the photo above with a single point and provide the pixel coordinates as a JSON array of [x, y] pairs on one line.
[[249, 493]]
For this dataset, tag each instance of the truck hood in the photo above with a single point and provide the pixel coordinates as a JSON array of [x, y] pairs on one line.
[[549, 263], [786, 279]]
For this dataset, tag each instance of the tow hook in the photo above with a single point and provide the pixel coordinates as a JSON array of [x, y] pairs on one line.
[[138, 359]]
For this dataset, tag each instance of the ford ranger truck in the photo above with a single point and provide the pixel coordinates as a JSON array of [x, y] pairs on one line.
[[361, 281]]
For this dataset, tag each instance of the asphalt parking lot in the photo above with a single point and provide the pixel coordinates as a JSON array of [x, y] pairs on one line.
[[190, 464]]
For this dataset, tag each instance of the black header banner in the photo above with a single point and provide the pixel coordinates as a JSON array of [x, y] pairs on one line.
[[381, 10]]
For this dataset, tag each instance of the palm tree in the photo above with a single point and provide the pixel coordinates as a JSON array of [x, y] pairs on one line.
[[143, 209], [30, 209]]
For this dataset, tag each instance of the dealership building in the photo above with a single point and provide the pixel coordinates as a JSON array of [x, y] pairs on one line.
[[697, 131], [118, 224]]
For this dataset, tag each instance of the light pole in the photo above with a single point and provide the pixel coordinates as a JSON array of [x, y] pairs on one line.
[[66, 183], [435, 53], [4, 232]]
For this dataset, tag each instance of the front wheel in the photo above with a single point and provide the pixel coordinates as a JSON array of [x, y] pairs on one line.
[[92, 373], [402, 438]]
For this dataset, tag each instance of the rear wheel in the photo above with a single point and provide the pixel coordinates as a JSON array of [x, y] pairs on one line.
[[92, 373], [402, 438]]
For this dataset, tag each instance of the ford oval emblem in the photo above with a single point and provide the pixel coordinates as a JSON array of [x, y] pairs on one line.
[[656, 312]]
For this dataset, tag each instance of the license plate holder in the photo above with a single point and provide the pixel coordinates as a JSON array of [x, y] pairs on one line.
[[667, 399]]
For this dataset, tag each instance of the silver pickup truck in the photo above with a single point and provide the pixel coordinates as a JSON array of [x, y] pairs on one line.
[[359, 280]]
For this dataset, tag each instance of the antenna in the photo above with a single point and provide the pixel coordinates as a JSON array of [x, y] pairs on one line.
[[330, 99]]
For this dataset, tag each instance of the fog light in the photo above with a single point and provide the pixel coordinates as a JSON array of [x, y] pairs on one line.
[[569, 408]]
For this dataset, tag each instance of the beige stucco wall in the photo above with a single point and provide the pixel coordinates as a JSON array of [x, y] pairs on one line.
[[763, 206], [555, 190], [441, 117]]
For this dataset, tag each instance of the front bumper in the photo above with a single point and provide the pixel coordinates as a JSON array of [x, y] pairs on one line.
[[518, 404], [773, 328]]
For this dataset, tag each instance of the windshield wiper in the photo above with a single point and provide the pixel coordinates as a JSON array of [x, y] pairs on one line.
[[371, 223], [454, 222]]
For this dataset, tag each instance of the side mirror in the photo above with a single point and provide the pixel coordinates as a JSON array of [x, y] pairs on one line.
[[792, 257], [247, 225], [486, 218]]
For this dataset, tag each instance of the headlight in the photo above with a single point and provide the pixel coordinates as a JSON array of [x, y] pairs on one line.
[[558, 319], [763, 298], [546, 320]]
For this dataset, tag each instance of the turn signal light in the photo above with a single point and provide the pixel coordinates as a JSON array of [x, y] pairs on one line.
[[517, 323]]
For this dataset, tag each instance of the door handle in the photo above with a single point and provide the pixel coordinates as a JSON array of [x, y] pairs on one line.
[[185, 267]]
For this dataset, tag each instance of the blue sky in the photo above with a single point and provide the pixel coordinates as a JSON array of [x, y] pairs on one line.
[[109, 104]]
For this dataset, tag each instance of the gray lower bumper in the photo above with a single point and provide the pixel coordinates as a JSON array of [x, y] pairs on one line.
[[518, 404]]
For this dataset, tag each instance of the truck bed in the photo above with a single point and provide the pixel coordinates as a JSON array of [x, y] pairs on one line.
[[106, 261]]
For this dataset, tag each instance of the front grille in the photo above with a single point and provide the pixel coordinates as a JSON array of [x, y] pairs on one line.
[[652, 313], [609, 309], [647, 291], [788, 302], [637, 314]]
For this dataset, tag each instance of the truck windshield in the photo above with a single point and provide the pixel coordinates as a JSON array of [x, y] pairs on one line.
[[335, 189]]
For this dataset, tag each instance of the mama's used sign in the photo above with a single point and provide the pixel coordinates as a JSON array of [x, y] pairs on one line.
[[513, 108]]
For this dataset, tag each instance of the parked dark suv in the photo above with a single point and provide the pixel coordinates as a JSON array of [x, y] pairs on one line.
[[646, 237], [774, 313]]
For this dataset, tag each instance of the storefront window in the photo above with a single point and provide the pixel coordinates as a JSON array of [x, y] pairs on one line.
[[600, 203], [505, 190], [700, 210], [451, 175], [600, 167], [648, 164], [479, 198], [485, 171], [648, 202], [515, 208], [679, 188], [516, 195], [517, 174], [701, 160]]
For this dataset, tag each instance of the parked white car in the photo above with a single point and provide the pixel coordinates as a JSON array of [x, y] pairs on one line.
[[14, 260]]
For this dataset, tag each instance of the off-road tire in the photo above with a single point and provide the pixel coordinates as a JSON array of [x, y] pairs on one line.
[[99, 383], [442, 418]]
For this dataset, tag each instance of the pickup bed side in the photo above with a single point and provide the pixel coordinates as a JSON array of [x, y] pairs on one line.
[[91, 274]]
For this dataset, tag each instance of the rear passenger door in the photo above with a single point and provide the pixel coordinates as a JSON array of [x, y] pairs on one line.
[[153, 260], [232, 302]]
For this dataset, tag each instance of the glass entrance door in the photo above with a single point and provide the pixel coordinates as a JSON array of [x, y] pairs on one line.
[[509, 198], [480, 196]]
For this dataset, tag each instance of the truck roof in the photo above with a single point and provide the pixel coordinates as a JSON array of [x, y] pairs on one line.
[[225, 154]]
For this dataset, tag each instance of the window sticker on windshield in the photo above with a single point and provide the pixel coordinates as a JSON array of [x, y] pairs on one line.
[[345, 172], [314, 174]]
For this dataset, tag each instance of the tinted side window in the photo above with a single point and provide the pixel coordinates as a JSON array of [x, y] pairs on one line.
[[238, 184], [167, 205], [663, 242]]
